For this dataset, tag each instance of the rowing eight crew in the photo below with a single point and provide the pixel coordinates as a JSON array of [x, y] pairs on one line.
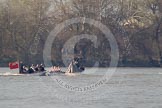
[[55, 69], [31, 69]]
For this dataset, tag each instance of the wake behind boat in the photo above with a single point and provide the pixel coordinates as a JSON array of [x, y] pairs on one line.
[[26, 74], [10, 74]]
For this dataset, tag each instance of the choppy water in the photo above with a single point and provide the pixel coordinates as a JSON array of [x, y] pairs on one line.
[[127, 88]]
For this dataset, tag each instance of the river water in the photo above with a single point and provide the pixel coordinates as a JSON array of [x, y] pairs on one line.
[[126, 88]]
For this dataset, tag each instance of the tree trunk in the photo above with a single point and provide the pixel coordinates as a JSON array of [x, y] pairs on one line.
[[26, 58], [158, 40], [1, 42]]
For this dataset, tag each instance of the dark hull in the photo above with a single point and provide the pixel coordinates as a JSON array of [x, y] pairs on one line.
[[35, 73]]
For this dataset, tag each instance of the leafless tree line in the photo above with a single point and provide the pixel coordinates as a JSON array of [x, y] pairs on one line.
[[136, 25]]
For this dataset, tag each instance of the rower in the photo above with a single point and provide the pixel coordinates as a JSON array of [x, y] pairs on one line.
[[75, 66]]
